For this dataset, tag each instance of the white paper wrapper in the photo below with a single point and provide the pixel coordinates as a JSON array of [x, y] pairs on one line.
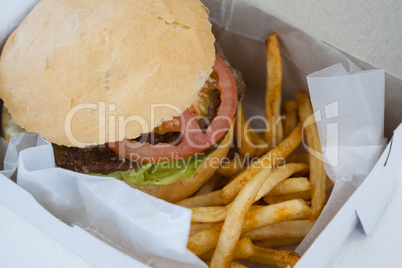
[[350, 104], [151, 230]]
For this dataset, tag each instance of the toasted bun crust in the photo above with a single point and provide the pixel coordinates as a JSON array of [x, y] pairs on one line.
[[129, 54], [188, 186], [8, 127]]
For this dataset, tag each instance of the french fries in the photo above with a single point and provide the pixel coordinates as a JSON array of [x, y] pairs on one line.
[[209, 199], [197, 227], [317, 171], [299, 157], [286, 229], [274, 131], [209, 214], [274, 257], [290, 120], [305, 195], [244, 249], [242, 135], [205, 240], [233, 223], [278, 176], [278, 243], [268, 160], [233, 166], [210, 185], [264, 204], [236, 264], [291, 185]]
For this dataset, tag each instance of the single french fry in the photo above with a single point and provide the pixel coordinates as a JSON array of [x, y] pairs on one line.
[[279, 175], [244, 249], [291, 185], [198, 227], [213, 214], [245, 143], [278, 243], [209, 199], [209, 214], [210, 185], [270, 159], [286, 229], [273, 94], [204, 240], [261, 145], [236, 264], [274, 257], [230, 168], [299, 157], [317, 171], [267, 215], [274, 199], [305, 195], [290, 121], [232, 227]]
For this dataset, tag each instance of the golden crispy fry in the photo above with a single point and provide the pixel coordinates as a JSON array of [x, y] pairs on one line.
[[233, 166], [270, 159], [285, 229], [236, 264], [214, 214], [278, 243], [299, 157], [232, 227], [305, 195], [274, 132], [274, 199], [209, 214], [204, 240], [290, 121], [210, 185], [279, 175], [244, 249], [245, 143], [209, 199], [291, 185], [261, 145], [198, 227], [274, 257], [267, 215], [317, 171]]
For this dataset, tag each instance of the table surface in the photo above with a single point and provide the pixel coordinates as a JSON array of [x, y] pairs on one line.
[[24, 245]]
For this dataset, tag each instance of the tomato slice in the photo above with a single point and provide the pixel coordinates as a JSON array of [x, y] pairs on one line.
[[193, 139]]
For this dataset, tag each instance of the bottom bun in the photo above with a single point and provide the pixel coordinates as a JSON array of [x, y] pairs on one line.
[[186, 187]]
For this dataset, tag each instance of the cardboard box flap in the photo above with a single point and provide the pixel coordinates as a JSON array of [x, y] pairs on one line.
[[363, 208], [380, 183]]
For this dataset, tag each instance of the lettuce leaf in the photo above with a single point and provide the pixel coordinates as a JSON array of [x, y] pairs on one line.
[[161, 173]]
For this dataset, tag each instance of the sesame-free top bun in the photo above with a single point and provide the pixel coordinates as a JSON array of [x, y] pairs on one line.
[[130, 54]]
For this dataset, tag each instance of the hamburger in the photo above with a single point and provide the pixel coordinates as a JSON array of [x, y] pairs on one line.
[[134, 90]]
